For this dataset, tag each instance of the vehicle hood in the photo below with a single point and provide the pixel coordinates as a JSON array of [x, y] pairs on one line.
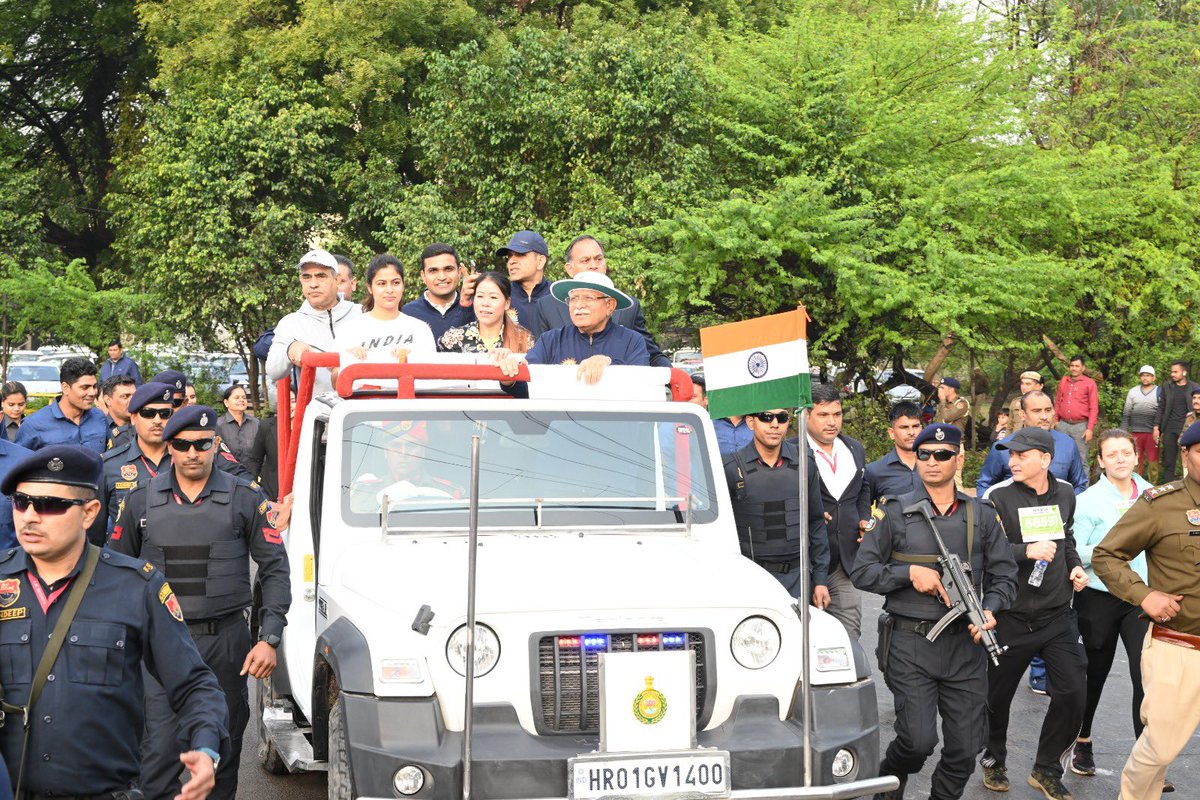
[[539, 572]]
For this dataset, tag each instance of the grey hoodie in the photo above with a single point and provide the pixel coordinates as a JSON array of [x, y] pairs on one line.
[[316, 329]]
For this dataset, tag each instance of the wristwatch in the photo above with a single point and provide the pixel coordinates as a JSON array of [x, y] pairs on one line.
[[270, 639], [213, 754]]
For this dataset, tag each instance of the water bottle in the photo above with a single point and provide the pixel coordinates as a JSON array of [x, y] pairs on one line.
[[1039, 572]]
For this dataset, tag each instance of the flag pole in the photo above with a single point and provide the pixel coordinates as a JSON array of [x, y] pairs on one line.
[[805, 589]]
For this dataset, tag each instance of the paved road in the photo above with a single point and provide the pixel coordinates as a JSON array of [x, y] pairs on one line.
[[1112, 734]]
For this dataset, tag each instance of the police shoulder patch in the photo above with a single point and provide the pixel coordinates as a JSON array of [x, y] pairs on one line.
[[167, 597], [1155, 492]]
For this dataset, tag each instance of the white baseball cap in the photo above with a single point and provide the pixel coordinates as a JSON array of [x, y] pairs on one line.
[[1146, 368], [320, 257]]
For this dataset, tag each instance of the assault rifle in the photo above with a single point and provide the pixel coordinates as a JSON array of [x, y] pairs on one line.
[[959, 588]]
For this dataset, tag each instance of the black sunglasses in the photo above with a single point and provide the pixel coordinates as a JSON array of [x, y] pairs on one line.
[[766, 416], [151, 413], [44, 506], [176, 402], [202, 445], [936, 455]]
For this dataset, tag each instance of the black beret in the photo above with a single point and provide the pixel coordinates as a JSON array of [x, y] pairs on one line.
[[60, 463], [172, 377], [147, 393], [1191, 436], [938, 433], [952, 383], [1028, 438], [190, 418]]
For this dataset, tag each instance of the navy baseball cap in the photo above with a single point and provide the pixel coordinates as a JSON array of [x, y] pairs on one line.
[[952, 383], [190, 418], [172, 377], [61, 463], [938, 433], [525, 242], [1030, 438], [1191, 436], [152, 392]]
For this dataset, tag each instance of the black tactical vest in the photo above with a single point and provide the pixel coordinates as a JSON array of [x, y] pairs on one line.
[[199, 548], [766, 510], [913, 543]]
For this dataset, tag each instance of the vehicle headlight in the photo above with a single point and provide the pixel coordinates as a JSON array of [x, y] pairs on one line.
[[487, 650], [830, 659], [755, 642]]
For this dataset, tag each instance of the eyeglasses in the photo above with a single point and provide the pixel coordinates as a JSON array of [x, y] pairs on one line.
[[201, 445], [176, 402], [151, 413], [585, 300], [936, 455], [782, 417], [44, 506]]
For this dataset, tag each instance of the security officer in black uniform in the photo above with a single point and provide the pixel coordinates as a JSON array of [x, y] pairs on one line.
[[87, 713], [898, 559], [225, 459], [764, 480], [201, 526], [176, 380], [145, 455]]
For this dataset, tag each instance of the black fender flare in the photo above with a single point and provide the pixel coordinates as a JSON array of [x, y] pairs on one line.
[[342, 662]]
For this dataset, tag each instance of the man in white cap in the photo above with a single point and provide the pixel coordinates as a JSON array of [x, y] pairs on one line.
[[314, 326], [592, 340], [1141, 408]]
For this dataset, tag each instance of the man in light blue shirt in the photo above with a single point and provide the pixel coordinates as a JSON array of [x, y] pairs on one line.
[[72, 417], [732, 434]]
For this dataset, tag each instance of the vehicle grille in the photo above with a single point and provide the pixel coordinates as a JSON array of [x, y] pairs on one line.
[[569, 673]]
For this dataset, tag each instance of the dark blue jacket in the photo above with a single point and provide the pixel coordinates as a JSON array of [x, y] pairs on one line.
[[48, 426], [86, 729], [551, 313], [122, 366], [10, 454], [456, 315], [524, 303], [566, 345]]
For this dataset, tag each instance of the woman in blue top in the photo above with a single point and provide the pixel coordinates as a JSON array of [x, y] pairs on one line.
[[1104, 618]]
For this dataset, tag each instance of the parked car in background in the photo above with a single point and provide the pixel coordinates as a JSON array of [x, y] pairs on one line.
[[39, 377]]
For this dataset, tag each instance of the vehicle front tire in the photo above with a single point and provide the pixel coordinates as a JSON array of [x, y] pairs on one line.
[[341, 774]]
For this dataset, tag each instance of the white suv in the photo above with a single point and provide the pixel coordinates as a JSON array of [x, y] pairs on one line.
[[604, 526]]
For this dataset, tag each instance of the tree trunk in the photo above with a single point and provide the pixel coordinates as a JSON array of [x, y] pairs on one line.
[[935, 363], [1095, 375]]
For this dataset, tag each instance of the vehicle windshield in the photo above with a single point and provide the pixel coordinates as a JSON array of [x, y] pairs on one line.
[[32, 372], [537, 469]]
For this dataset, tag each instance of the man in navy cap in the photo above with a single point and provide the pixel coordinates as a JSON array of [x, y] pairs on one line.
[[899, 559], [80, 735], [952, 409], [201, 526], [526, 254], [72, 417], [1037, 511], [176, 380]]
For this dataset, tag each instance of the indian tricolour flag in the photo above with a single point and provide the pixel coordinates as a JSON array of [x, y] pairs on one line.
[[755, 365]]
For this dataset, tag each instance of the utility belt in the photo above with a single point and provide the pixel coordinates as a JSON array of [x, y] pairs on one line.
[[210, 627], [924, 626], [124, 794], [780, 567], [1175, 637]]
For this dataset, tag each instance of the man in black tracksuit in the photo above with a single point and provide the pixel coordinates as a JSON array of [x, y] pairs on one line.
[[1036, 510], [1174, 403]]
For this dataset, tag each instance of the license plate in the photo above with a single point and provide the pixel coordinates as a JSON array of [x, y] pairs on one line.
[[650, 775]]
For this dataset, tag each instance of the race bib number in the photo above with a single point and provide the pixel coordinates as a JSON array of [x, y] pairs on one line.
[[1040, 524]]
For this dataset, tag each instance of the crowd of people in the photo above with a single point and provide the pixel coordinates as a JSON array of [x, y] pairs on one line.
[[154, 506], [1063, 568]]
